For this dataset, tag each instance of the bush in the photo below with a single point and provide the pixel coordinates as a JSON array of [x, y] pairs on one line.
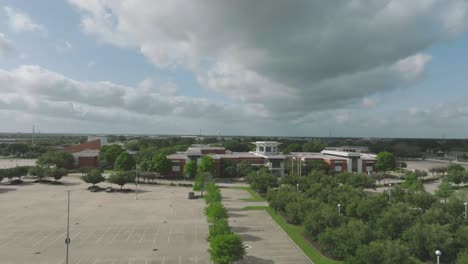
[[93, 176], [219, 227], [213, 195], [226, 248], [215, 211]]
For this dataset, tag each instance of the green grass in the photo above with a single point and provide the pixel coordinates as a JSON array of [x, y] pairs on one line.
[[252, 208], [254, 195], [296, 233]]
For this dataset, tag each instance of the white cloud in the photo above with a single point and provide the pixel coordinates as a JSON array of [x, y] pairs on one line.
[[6, 46], [36, 91], [64, 46], [19, 21], [286, 59]]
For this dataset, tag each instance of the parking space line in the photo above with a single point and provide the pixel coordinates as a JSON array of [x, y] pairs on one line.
[[131, 260], [118, 232], [130, 234], [146, 260], [180, 259], [157, 232], [163, 260], [85, 240], [105, 232], [196, 232], [142, 235], [55, 240], [9, 241], [196, 259], [169, 237]]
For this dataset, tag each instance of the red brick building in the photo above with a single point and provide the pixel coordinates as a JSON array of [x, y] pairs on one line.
[[86, 154]]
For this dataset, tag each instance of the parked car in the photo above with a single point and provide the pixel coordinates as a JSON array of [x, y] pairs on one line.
[[109, 189], [191, 195]]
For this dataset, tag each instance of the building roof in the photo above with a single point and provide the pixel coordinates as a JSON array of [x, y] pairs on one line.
[[177, 156], [87, 153]]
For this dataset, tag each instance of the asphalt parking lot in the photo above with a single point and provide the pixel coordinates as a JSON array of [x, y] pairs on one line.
[[162, 226]]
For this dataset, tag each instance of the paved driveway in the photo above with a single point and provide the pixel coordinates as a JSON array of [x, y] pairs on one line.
[[267, 242]]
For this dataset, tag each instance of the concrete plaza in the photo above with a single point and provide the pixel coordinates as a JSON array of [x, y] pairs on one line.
[[162, 226]]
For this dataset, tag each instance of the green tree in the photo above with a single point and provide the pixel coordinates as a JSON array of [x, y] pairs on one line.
[[313, 146], [94, 177], [294, 147], [190, 168], [57, 173], [121, 178], [343, 241], [412, 182], [262, 180], [215, 211], [219, 227], [462, 257], [108, 154], [444, 191], [452, 168], [160, 163], [37, 171], [227, 248], [316, 165], [423, 239], [394, 220], [244, 168], [57, 158], [382, 252], [206, 165], [200, 183], [124, 162], [385, 162]]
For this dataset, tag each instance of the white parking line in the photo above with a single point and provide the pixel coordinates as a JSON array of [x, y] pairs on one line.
[[163, 260], [196, 259], [118, 232], [130, 234], [142, 235], [9, 241], [157, 232], [180, 259], [147, 261], [105, 232], [169, 237]]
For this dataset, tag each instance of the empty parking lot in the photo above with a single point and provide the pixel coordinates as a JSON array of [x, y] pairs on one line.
[[162, 226]]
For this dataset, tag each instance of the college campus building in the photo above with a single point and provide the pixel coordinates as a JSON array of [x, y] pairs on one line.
[[266, 154], [339, 160], [86, 154]]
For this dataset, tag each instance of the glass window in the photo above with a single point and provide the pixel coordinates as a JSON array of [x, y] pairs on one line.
[[261, 148], [268, 149]]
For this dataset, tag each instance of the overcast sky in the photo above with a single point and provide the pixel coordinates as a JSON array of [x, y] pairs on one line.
[[365, 68]]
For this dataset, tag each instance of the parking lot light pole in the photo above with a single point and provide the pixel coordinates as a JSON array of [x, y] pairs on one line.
[[339, 209], [390, 192], [466, 207], [297, 187], [67, 240], [136, 184], [438, 253]]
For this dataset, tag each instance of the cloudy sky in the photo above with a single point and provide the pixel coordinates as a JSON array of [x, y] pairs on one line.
[[384, 68]]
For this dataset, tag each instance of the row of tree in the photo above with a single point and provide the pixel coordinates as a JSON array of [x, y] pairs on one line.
[[225, 246], [402, 225], [35, 171]]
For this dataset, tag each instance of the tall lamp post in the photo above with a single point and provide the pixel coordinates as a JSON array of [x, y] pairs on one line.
[[136, 184], [67, 240], [339, 209], [297, 187], [466, 207], [438, 253], [390, 192]]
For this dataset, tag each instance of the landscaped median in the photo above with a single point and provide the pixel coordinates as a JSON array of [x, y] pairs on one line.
[[225, 246], [296, 233]]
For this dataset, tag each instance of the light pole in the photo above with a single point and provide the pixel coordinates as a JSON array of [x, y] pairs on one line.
[[297, 187], [466, 207], [292, 165], [67, 240], [438, 253], [339, 209], [136, 184], [390, 192]]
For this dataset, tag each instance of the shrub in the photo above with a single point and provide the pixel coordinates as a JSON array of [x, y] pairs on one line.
[[219, 227], [226, 248], [215, 211]]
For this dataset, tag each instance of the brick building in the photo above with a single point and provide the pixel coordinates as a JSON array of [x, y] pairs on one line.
[[86, 154], [266, 154], [339, 160]]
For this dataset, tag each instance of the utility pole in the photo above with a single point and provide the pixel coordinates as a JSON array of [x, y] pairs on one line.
[[33, 135], [136, 184], [67, 240]]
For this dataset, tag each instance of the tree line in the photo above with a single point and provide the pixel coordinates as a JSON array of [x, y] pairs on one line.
[[405, 224]]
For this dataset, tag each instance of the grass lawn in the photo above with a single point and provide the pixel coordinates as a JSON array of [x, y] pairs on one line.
[[254, 195], [296, 233]]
